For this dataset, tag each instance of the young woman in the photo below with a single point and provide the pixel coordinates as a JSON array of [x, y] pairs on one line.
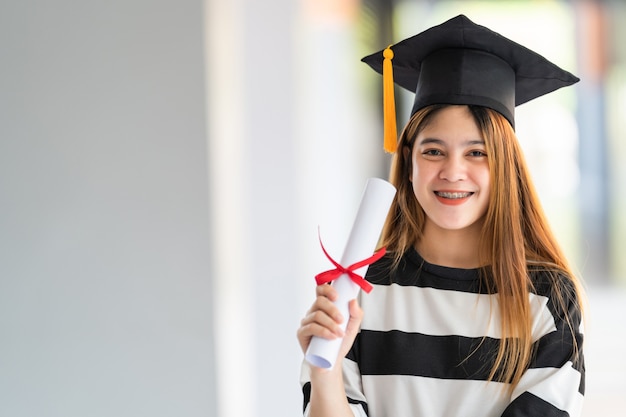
[[474, 311]]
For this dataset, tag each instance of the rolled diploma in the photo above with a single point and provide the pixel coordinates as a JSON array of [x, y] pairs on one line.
[[361, 244]]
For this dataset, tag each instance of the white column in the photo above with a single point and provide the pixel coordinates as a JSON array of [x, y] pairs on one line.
[[230, 209], [290, 147]]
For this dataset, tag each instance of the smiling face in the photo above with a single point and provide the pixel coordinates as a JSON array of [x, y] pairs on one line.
[[450, 171]]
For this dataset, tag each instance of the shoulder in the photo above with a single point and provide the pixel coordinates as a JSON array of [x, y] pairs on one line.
[[546, 281], [559, 288]]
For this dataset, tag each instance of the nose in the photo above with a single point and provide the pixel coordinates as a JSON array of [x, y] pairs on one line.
[[453, 169]]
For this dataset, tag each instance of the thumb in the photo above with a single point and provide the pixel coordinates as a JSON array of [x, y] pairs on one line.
[[352, 328]]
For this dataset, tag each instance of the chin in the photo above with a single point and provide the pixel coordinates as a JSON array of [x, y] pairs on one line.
[[458, 225]]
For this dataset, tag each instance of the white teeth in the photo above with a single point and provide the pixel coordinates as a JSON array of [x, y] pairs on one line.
[[452, 195]]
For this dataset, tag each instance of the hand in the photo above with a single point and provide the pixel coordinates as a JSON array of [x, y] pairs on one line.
[[323, 320]]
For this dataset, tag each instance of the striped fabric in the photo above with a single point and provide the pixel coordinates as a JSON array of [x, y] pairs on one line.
[[427, 345]]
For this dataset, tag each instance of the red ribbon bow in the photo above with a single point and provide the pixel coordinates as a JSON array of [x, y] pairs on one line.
[[333, 274]]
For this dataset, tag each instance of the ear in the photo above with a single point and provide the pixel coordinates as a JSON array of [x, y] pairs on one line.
[[406, 155]]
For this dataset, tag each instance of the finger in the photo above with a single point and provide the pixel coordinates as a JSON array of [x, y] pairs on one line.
[[310, 329], [321, 318], [314, 329], [356, 316], [326, 305], [355, 309], [326, 290]]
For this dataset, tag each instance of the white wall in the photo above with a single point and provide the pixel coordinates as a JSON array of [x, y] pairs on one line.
[[105, 284]]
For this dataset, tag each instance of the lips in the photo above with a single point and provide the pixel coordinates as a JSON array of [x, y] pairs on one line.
[[453, 194], [453, 198]]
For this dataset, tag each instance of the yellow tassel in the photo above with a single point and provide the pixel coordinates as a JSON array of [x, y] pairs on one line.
[[389, 104]]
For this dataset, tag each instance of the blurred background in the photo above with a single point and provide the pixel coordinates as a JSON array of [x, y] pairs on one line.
[[165, 166]]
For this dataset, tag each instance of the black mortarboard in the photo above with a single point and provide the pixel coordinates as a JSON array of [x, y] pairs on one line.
[[460, 62]]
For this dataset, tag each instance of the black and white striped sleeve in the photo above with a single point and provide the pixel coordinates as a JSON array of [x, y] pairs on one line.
[[554, 384]]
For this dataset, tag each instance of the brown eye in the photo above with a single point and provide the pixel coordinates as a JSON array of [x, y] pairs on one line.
[[477, 153]]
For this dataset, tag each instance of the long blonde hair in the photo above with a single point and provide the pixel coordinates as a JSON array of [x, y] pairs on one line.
[[515, 234]]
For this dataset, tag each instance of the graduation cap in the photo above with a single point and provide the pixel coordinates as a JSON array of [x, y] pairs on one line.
[[460, 62]]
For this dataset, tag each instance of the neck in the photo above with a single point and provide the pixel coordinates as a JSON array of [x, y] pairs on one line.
[[451, 248]]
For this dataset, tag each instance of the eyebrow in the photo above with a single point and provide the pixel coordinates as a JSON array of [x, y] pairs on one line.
[[427, 141]]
